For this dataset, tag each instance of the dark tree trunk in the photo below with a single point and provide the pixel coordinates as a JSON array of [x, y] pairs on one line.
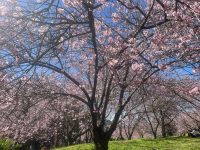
[[163, 124], [101, 140], [88, 137], [64, 141], [129, 137], [155, 135], [120, 133], [101, 144], [70, 140], [55, 140], [163, 131]]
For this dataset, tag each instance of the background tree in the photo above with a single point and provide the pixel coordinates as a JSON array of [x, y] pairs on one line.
[[36, 113]]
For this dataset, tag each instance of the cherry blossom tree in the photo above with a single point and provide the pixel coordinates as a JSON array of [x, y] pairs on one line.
[[34, 114], [188, 91], [130, 118], [161, 109], [101, 51]]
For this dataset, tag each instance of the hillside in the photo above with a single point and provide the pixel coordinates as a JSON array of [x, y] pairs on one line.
[[174, 143]]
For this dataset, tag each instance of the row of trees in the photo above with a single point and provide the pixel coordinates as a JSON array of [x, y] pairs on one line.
[[34, 111], [100, 55]]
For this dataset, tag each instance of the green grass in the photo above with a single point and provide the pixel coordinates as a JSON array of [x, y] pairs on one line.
[[6, 144], [173, 143]]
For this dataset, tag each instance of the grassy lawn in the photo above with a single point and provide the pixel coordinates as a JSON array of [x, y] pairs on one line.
[[174, 143]]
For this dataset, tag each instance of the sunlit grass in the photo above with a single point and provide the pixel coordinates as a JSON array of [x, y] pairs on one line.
[[173, 143]]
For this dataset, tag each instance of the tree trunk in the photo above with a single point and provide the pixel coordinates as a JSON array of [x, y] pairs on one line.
[[101, 140], [163, 125], [129, 137], [155, 135], [120, 133], [88, 137], [55, 140], [70, 140], [101, 144], [163, 131]]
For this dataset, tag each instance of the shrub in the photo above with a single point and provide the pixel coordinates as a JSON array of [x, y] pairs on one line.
[[6, 144]]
